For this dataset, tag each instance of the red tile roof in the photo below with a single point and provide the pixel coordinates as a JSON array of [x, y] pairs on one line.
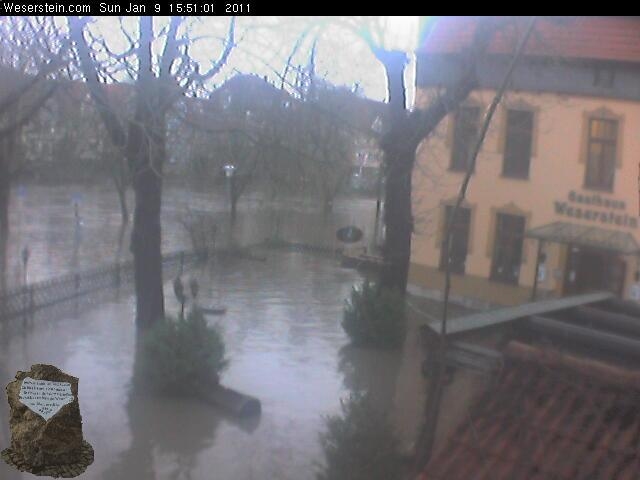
[[597, 38], [549, 416]]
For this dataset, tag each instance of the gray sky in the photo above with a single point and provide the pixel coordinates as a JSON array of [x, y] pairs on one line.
[[265, 43]]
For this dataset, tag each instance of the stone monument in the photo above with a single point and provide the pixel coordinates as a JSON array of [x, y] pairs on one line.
[[45, 424]]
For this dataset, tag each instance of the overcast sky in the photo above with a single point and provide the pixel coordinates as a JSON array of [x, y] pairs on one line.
[[265, 43]]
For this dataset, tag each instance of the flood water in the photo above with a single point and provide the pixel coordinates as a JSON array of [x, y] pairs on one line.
[[285, 346], [43, 218], [284, 342]]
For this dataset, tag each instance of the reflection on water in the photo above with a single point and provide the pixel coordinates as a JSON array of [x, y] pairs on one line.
[[155, 430], [286, 346], [359, 444], [371, 371]]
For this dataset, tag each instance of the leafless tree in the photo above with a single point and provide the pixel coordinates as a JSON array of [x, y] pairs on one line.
[[325, 140], [159, 78], [405, 129], [32, 52], [436, 387]]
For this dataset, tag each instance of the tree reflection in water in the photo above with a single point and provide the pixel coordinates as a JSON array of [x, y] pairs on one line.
[[359, 443], [165, 430]]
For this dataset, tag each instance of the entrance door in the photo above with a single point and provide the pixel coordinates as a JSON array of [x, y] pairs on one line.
[[590, 269]]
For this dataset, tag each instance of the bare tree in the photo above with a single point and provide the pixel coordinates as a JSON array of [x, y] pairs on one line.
[[290, 139], [32, 51], [160, 77], [405, 129], [230, 135], [327, 143], [437, 381]]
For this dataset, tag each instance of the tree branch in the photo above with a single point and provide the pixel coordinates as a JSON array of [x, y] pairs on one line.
[[52, 65], [472, 162], [426, 120], [437, 382], [145, 65], [96, 89], [217, 66], [170, 52], [21, 121]]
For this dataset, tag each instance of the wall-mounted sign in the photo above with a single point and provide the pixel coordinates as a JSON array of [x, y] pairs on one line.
[[597, 200], [349, 234], [596, 208]]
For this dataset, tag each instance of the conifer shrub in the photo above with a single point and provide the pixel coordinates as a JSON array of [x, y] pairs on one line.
[[359, 444], [374, 316], [183, 354]]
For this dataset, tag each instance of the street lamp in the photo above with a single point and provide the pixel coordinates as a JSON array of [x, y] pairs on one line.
[[229, 172]]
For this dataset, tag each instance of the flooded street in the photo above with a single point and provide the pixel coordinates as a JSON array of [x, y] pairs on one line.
[[282, 330]]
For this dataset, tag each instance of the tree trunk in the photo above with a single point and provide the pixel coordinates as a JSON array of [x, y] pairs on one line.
[[146, 153], [399, 157], [398, 218]]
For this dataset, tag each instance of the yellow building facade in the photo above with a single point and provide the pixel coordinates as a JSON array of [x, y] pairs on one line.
[[554, 194]]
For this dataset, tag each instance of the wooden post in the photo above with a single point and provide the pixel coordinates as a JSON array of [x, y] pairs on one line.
[[534, 290]]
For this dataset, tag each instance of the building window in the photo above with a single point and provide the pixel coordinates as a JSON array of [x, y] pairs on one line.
[[507, 248], [601, 153], [517, 149], [465, 134], [459, 239]]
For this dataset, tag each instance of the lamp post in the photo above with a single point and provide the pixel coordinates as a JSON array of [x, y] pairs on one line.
[[229, 172]]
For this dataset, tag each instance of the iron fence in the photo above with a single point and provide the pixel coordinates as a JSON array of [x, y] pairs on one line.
[[24, 300]]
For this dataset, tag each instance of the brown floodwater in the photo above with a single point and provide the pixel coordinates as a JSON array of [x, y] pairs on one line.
[[285, 346], [43, 218], [282, 331]]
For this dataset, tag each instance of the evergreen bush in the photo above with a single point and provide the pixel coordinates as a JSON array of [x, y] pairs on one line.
[[359, 444], [374, 316], [181, 355]]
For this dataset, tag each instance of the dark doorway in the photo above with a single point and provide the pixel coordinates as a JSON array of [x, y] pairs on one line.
[[590, 269]]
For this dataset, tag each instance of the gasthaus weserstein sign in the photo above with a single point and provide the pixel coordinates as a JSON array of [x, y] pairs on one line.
[[45, 397]]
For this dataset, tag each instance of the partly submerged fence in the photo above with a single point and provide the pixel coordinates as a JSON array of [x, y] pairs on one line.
[[26, 299]]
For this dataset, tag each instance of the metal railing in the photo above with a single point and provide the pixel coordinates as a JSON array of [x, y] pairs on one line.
[[26, 299]]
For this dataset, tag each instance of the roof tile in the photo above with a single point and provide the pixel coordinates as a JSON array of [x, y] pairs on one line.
[[545, 422], [595, 38]]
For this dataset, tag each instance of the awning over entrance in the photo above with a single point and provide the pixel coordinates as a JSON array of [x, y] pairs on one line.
[[587, 236]]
